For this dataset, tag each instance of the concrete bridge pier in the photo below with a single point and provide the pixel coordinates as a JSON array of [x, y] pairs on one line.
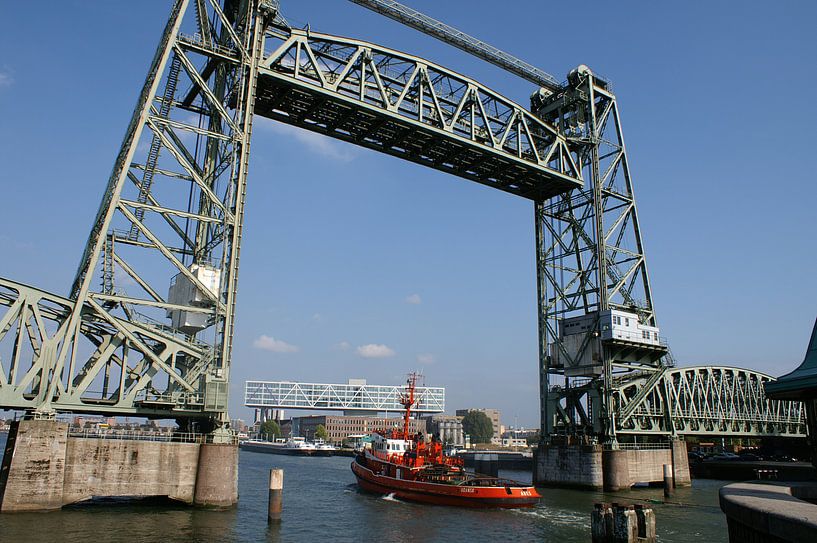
[[44, 468], [572, 464]]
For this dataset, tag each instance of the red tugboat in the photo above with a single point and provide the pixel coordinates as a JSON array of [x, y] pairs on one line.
[[411, 469]]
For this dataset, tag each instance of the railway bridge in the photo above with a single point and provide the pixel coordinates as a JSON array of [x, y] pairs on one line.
[[715, 401]]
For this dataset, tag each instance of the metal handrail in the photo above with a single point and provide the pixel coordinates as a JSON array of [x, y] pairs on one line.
[[137, 435], [635, 446]]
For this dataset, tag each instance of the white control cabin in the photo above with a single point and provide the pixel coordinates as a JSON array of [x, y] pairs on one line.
[[613, 324], [621, 330], [386, 446], [184, 292]]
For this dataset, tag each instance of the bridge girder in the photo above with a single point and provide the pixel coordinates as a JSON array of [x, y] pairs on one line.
[[690, 401]]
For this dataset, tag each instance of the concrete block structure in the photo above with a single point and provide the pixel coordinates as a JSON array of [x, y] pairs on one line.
[[596, 467], [44, 468]]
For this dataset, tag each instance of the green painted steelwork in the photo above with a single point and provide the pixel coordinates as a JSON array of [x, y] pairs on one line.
[[802, 382]]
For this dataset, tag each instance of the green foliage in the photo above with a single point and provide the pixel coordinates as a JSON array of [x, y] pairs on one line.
[[478, 426], [321, 433], [533, 440], [270, 429]]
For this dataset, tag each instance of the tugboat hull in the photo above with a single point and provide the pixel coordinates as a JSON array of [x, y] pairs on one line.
[[445, 494]]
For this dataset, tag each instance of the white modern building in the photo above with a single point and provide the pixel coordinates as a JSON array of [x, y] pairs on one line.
[[356, 397]]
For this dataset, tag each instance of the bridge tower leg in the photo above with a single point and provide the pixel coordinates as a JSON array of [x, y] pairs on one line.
[[170, 220], [597, 323]]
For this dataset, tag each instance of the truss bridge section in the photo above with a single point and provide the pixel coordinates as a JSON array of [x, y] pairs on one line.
[[705, 400], [116, 380], [413, 109]]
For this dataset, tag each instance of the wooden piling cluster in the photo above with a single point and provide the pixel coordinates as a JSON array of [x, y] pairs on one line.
[[621, 523]]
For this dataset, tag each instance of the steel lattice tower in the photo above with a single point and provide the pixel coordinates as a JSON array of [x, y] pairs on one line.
[[590, 260]]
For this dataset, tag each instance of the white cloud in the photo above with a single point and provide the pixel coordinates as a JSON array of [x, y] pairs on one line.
[[414, 299], [317, 143], [12, 243], [267, 343], [342, 346], [374, 350], [425, 358], [5, 79]]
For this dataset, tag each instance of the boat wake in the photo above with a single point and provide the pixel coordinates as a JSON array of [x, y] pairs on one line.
[[390, 498], [559, 517]]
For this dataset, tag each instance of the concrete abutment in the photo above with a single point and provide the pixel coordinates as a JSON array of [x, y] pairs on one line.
[[44, 468], [596, 467]]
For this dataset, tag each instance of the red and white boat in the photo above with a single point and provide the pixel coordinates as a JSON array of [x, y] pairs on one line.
[[411, 469]]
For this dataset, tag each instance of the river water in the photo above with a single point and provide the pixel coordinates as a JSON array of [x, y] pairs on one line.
[[321, 502]]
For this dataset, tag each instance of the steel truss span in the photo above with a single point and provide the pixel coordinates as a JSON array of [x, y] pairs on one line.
[[705, 400], [346, 397], [408, 107]]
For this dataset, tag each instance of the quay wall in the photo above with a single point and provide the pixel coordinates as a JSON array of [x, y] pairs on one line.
[[770, 512], [44, 468]]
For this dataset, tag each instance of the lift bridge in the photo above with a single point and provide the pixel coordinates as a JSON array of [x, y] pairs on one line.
[[146, 328]]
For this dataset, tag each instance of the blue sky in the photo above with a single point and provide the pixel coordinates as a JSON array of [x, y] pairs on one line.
[[346, 248]]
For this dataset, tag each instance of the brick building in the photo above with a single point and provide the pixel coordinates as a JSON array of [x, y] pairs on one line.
[[340, 427]]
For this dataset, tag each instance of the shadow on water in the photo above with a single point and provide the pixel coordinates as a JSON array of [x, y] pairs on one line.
[[322, 502]]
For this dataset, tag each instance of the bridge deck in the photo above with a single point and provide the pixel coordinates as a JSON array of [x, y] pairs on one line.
[[407, 107]]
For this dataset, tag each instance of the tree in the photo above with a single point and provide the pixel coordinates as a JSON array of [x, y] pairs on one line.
[[270, 429], [478, 426], [321, 433]]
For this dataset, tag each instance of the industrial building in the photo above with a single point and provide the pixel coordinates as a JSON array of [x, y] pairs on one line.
[[447, 427]]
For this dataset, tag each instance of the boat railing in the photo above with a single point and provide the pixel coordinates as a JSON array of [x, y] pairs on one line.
[[489, 481]]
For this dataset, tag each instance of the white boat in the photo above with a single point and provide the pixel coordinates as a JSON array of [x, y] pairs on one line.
[[294, 446], [323, 448]]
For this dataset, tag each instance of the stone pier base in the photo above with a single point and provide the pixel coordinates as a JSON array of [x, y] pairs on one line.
[[217, 477], [591, 466], [576, 466], [43, 469]]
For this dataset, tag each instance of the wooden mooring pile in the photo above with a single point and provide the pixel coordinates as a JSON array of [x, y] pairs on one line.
[[622, 523]]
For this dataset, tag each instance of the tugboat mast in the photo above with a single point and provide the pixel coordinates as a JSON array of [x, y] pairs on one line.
[[407, 400]]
